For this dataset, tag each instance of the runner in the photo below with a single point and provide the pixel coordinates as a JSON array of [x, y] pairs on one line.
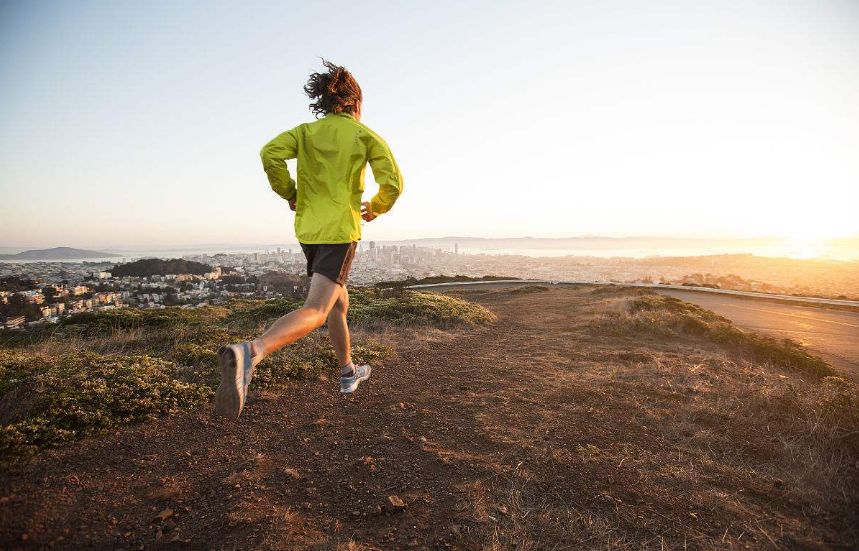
[[332, 154]]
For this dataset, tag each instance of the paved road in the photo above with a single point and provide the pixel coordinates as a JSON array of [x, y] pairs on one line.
[[832, 334]]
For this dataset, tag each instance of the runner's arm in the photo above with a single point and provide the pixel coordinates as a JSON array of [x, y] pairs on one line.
[[386, 173], [274, 155]]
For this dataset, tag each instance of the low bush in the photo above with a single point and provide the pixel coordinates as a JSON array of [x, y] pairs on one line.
[[309, 357], [416, 308], [250, 314], [95, 323], [370, 308], [64, 399], [15, 367]]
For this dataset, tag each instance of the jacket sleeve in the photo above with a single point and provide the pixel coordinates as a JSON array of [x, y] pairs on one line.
[[274, 155], [386, 173]]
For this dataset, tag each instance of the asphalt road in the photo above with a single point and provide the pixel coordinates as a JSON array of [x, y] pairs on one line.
[[831, 334]]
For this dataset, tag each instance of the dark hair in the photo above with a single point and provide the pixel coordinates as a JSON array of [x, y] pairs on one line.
[[336, 91]]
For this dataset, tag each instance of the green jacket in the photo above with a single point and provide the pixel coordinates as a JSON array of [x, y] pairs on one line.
[[332, 154]]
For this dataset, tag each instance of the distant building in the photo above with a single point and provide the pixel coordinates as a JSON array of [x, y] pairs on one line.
[[36, 297]]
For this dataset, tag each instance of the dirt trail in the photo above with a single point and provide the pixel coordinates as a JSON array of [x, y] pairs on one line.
[[527, 435]]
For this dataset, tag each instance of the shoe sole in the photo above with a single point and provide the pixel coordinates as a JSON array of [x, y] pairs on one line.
[[354, 386], [228, 402]]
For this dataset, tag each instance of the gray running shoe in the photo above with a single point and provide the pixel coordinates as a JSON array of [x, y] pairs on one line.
[[236, 364], [349, 384]]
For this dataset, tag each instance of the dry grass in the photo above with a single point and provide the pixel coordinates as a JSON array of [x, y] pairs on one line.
[[525, 289], [696, 435], [670, 318]]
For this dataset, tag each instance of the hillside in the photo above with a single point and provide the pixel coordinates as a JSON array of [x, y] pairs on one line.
[[56, 253], [581, 417]]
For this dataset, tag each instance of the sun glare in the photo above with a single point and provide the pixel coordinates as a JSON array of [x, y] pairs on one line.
[[804, 248], [810, 237]]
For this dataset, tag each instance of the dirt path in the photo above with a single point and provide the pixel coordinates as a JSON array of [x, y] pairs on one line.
[[527, 435]]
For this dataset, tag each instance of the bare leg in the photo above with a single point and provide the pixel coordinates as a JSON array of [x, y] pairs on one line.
[[338, 329], [321, 298]]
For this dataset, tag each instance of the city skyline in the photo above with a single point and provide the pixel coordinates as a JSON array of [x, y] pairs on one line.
[[140, 125], [44, 291], [841, 249]]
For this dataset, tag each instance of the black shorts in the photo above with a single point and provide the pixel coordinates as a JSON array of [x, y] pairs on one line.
[[332, 261]]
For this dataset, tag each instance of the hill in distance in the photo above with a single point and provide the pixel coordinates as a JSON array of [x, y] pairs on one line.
[[156, 266], [56, 253]]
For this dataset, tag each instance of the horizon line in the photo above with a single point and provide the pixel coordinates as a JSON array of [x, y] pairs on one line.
[[169, 246]]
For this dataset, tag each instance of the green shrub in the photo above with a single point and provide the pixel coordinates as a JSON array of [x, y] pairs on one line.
[[28, 336], [193, 354], [416, 308], [366, 307], [306, 358], [252, 313], [97, 323], [16, 367], [309, 357], [80, 394]]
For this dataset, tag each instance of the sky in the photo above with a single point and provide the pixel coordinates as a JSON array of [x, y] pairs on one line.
[[140, 123]]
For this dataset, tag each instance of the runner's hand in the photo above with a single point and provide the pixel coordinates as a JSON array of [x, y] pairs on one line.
[[366, 213], [292, 205]]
